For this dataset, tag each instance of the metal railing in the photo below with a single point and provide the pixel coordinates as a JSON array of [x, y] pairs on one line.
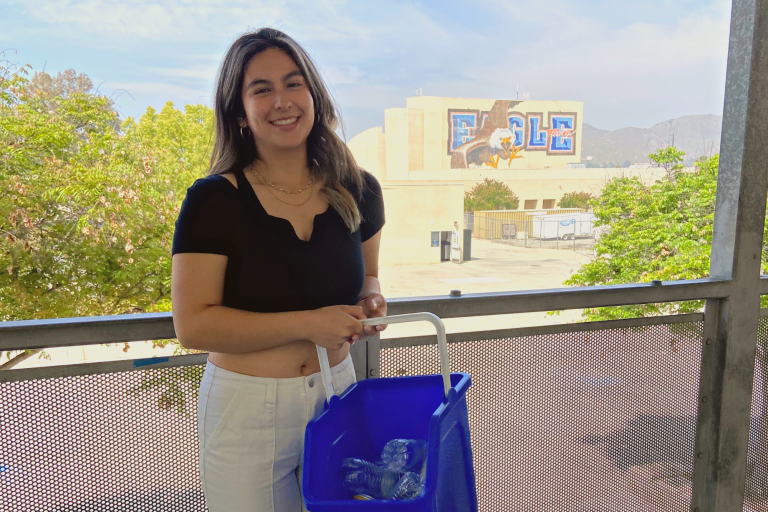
[[32, 334], [552, 433]]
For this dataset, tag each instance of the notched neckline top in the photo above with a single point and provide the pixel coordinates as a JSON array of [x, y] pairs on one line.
[[269, 267], [243, 183]]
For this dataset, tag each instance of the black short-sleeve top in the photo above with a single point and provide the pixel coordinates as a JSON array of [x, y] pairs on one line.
[[269, 268]]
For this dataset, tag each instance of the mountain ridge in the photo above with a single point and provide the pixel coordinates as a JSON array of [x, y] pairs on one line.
[[697, 135]]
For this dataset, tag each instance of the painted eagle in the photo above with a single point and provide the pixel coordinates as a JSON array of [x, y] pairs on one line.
[[494, 143]]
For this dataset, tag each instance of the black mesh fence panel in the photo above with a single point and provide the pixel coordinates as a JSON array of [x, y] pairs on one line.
[[113, 442], [756, 490], [587, 421], [584, 421]]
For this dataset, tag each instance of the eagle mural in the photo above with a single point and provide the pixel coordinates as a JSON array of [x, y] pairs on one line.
[[494, 143]]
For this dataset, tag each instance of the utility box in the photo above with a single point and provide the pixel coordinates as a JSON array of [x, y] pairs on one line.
[[456, 247], [466, 246], [445, 254]]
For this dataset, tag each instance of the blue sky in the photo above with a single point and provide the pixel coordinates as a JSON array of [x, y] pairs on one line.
[[631, 63]]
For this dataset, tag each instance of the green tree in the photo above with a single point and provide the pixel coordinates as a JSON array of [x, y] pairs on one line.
[[49, 90], [662, 231], [490, 195], [62, 85], [87, 211], [180, 142], [575, 200], [670, 158]]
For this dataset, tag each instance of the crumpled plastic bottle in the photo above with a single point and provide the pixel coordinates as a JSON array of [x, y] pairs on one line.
[[365, 478], [404, 455]]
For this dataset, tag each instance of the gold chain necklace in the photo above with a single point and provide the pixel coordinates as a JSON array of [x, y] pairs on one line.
[[311, 193], [270, 184]]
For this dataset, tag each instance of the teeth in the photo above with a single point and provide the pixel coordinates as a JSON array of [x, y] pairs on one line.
[[285, 121]]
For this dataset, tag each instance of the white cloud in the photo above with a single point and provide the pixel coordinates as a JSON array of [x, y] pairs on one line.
[[374, 54], [641, 71], [314, 23], [200, 72], [370, 96], [341, 75], [151, 19], [170, 91], [573, 42]]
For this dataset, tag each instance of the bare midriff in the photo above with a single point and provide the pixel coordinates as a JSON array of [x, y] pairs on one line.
[[295, 359]]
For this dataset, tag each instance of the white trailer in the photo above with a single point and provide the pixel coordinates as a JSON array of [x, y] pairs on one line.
[[563, 226]]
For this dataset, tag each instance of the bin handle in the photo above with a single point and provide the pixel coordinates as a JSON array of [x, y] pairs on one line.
[[442, 343]]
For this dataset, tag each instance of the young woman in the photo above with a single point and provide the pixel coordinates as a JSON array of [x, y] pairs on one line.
[[275, 251]]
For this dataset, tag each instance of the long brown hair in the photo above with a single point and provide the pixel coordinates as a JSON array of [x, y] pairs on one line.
[[328, 156]]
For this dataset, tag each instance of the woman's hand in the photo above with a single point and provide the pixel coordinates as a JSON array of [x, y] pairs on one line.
[[332, 326], [374, 306]]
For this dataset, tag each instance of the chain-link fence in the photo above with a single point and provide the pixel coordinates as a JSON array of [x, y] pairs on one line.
[[575, 234]]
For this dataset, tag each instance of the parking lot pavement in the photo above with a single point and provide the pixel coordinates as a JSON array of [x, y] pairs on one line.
[[494, 267]]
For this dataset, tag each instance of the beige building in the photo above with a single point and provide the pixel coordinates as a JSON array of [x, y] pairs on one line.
[[433, 133], [435, 149], [415, 211], [541, 189]]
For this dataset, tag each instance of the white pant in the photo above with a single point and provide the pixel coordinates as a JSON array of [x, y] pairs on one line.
[[251, 433]]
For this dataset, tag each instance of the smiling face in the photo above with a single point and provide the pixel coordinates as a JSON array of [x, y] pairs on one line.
[[278, 104]]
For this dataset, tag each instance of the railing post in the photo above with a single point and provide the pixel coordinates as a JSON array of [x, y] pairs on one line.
[[374, 356], [359, 353], [366, 356], [730, 327]]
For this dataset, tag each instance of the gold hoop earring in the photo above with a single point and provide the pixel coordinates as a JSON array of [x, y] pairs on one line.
[[242, 134]]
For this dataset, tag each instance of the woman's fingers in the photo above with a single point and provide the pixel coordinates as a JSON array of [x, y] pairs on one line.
[[381, 310], [356, 312], [377, 305]]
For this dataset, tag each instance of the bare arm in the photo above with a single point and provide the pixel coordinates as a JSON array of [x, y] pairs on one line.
[[202, 323], [371, 257], [370, 299]]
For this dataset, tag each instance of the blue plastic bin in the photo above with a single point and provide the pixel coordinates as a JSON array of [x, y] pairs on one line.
[[371, 412]]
